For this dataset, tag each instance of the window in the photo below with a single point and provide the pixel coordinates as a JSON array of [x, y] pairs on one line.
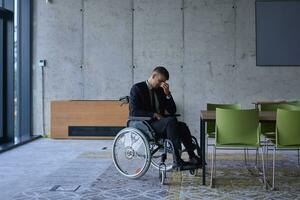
[[6, 61], [15, 76], [1, 78]]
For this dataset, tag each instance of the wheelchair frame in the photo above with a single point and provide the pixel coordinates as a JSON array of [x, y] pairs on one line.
[[148, 138]]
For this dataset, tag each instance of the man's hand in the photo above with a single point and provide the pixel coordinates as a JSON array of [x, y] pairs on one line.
[[158, 116], [165, 87]]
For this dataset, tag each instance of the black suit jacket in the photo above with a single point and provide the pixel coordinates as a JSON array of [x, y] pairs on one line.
[[140, 102]]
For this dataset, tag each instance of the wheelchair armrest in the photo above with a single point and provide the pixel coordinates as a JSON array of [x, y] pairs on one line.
[[133, 118], [124, 100]]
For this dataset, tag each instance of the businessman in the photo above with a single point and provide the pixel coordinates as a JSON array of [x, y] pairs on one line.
[[152, 98]]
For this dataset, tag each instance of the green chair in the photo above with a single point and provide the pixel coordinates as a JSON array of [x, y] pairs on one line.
[[236, 129], [287, 135], [210, 126], [268, 129]]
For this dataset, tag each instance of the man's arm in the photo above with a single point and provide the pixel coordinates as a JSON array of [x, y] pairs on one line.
[[136, 104], [170, 104]]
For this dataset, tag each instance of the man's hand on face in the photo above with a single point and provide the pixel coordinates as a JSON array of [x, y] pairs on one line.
[[165, 87], [158, 116]]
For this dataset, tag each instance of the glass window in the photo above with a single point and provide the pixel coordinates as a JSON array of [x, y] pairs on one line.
[[15, 84], [1, 78]]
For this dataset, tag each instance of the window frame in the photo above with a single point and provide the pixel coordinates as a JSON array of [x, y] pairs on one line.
[[6, 62]]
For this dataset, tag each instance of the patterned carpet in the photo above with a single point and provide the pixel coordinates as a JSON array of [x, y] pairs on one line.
[[233, 181]]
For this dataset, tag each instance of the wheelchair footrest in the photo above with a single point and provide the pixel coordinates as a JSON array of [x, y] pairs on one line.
[[188, 167]]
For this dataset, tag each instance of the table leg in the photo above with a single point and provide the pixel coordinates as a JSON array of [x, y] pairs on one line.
[[202, 145]]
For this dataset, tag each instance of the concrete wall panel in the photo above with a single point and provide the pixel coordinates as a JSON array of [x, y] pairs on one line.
[[107, 48], [158, 41], [209, 56], [57, 38]]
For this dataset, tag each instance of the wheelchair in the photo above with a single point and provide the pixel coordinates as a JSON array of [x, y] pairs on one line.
[[136, 147]]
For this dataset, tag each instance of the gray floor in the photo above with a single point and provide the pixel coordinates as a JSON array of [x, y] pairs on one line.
[[47, 163], [30, 171]]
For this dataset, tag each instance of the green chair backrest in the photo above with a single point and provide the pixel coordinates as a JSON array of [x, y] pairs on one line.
[[270, 127], [210, 126], [288, 128], [237, 127]]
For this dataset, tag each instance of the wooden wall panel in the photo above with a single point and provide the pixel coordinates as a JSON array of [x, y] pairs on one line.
[[85, 113]]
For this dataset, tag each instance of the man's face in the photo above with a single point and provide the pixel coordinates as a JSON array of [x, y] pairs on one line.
[[157, 80]]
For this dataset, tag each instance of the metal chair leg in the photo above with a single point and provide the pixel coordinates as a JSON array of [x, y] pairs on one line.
[[245, 156], [263, 168], [248, 157], [215, 163], [206, 146], [256, 156], [273, 175], [298, 157], [267, 150], [212, 168]]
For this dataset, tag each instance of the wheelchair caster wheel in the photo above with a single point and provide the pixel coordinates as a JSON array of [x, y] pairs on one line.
[[162, 177], [162, 173]]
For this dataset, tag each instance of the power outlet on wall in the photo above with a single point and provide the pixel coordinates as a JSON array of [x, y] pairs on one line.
[[42, 63]]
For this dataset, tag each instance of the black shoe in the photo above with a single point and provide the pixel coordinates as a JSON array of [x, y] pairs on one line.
[[195, 160], [180, 164]]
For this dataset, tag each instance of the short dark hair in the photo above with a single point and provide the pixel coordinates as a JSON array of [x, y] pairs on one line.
[[162, 70]]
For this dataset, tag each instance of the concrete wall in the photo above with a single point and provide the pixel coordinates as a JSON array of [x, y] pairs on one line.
[[95, 49]]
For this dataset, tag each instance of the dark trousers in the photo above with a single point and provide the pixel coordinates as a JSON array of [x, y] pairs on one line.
[[176, 131]]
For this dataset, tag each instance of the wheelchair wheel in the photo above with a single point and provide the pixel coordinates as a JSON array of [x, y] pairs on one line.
[[156, 157], [131, 153]]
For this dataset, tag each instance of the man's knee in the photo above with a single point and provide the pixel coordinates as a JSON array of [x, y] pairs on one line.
[[171, 121], [182, 126]]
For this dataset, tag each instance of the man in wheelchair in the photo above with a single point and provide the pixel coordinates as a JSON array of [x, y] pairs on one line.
[[152, 98]]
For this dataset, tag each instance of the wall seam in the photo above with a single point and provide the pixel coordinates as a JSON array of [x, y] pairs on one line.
[[132, 42], [235, 35], [235, 40], [82, 10], [183, 60]]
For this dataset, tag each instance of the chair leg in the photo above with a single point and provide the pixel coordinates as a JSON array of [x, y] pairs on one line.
[[298, 157], [263, 168], [212, 167], [215, 162], [256, 156], [245, 160], [273, 174], [246, 156], [206, 148], [267, 150]]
